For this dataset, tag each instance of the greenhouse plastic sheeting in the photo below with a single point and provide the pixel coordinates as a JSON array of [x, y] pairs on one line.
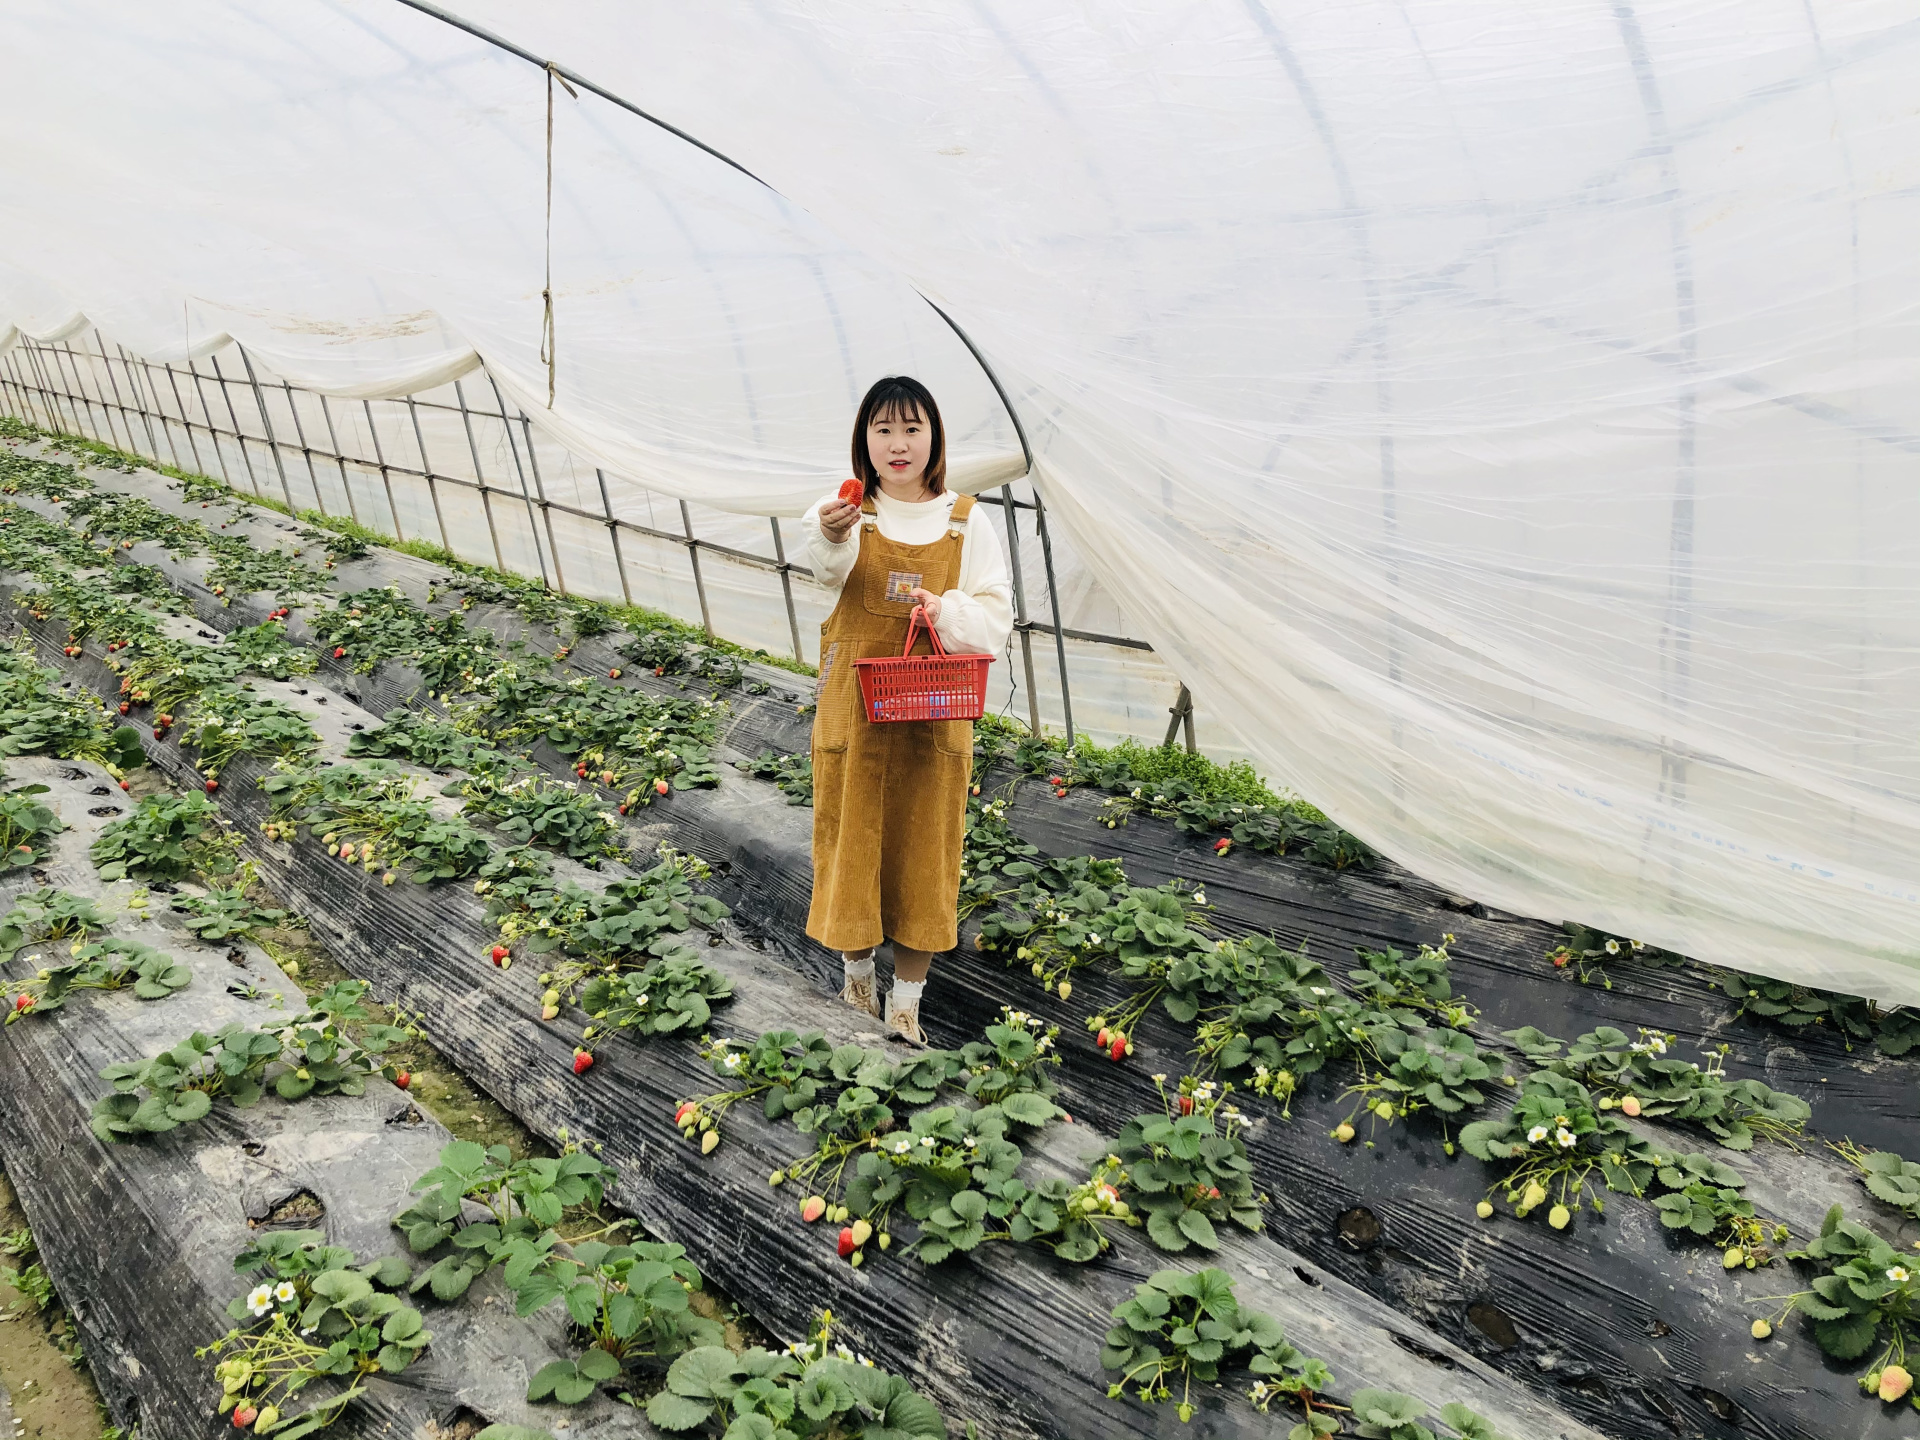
[[1506, 420]]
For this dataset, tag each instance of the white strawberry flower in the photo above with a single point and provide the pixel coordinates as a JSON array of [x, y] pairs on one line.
[[1565, 1137], [926, 1142], [1899, 1275], [260, 1300], [1613, 947], [284, 1291], [1536, 1134], [901, 1147]]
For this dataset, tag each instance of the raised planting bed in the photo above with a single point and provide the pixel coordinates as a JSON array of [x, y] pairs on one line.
[[140, 1238], [1617, 1322]]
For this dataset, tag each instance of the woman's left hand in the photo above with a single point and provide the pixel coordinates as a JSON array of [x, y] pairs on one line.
[[929, 602]]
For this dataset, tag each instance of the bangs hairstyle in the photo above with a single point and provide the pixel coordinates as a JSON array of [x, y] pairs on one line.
[[900, 397]]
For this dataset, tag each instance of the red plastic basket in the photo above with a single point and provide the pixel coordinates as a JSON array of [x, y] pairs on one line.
[[923, 687]]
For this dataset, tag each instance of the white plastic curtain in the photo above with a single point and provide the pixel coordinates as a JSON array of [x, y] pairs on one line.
[[1504, 418]]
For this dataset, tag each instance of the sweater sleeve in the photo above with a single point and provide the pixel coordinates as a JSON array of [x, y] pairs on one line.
[[976, 617], [831, 563]]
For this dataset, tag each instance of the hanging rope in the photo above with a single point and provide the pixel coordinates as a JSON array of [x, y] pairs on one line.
[[549, 352]]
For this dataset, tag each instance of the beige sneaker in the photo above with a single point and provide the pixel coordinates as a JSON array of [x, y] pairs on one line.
[[905, 1020], [859, 994]]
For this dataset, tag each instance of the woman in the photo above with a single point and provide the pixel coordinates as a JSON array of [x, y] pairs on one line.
[[890, 801]]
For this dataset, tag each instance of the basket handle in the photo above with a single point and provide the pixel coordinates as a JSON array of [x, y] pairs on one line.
[[918, 619]]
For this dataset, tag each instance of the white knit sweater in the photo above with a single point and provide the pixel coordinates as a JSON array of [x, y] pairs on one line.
[[976, 616]]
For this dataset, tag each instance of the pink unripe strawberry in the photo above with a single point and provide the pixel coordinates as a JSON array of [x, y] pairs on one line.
[[244, 1416], [812, 1208], [660, 787]]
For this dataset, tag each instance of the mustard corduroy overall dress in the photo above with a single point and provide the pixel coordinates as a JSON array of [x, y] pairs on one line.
[[889, 801]]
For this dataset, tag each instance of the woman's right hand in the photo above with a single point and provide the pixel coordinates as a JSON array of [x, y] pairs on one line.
[[837, 519]]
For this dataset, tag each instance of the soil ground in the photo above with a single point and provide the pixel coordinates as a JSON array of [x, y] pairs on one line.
[[43, 1394]]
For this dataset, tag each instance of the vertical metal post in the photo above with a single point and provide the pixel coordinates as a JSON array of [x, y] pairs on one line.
[[266, 423], [693, 554], [786, 588], [426, 467], [173, 382], [29, 392], [333, 439], [107, 361], [213, 428], [1020, 604], [80, 389], [613, 534], [480, 477], [70, 420], [546, 510], [239, 436], [533, 525], [159, 406], [386, 477], [300, 434], [107, 407], [1053, 597], [71, 376]]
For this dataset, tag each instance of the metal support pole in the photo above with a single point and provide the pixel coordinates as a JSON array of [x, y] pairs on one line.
[[533, 525], [613, 534], [546, 509], [193, 445], [266, 423], [146, 422], [239, 435], [1181, 712], [70, 422], [386, 476], [333, 439], [29, 392], [786, 588], [426, 466], [693, 554], [1020, 605], [300, 434], [132, 447], [71, 376], [159, 406], [1053, 597], [480, 479], [213, 438]]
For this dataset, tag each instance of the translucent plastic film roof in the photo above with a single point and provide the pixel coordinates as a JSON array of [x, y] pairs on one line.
[[1506, 419]]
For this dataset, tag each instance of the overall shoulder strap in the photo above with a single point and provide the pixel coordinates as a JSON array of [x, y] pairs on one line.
[[962, 507]]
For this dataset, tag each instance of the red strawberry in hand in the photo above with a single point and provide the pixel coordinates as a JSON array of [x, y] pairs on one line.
[[852, 492]]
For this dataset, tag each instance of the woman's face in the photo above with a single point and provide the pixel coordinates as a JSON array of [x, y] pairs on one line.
[[900, 446]]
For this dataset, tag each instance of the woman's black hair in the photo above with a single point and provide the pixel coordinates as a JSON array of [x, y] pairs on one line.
[[899, 397]]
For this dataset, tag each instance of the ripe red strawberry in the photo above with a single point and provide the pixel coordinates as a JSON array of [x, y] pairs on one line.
[[660, 787], [499, 953], [623, 809], [846, 1241], [212, 785], [244, 1416], [125, 707], [1221, 845], [125, 785], [659, 669], [403, 1079], [1186, 1104], [1061, 793], [852, 492], [1119, 1048], [166, 719], [158, 733], [1104, 1038], [582, 1062], [23, 1002], [339, 652]]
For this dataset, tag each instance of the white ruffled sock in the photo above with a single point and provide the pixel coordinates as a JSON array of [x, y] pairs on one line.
[[861, 969], [905, 995]]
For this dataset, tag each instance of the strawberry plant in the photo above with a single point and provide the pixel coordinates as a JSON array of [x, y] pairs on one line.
[[941, 1154], [110, 964], [333, 1047], [1644, 1078], [780, 1069], [227, 721], [1387, 1415], [792, 775], [27, 828], [1009, 1068], [814, 1391], [1868, 1292], [522, 1198], [167, 837], [676, 992], [1887, 1177], [43, 915], [226, 913], [1184, 1328], [324, 1318], [1895, 1031], [38, 716], [426, 742], [265, 650], [537, 811], [367, 814], [1187, 1168], [629, 1302], [182, 1083]]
